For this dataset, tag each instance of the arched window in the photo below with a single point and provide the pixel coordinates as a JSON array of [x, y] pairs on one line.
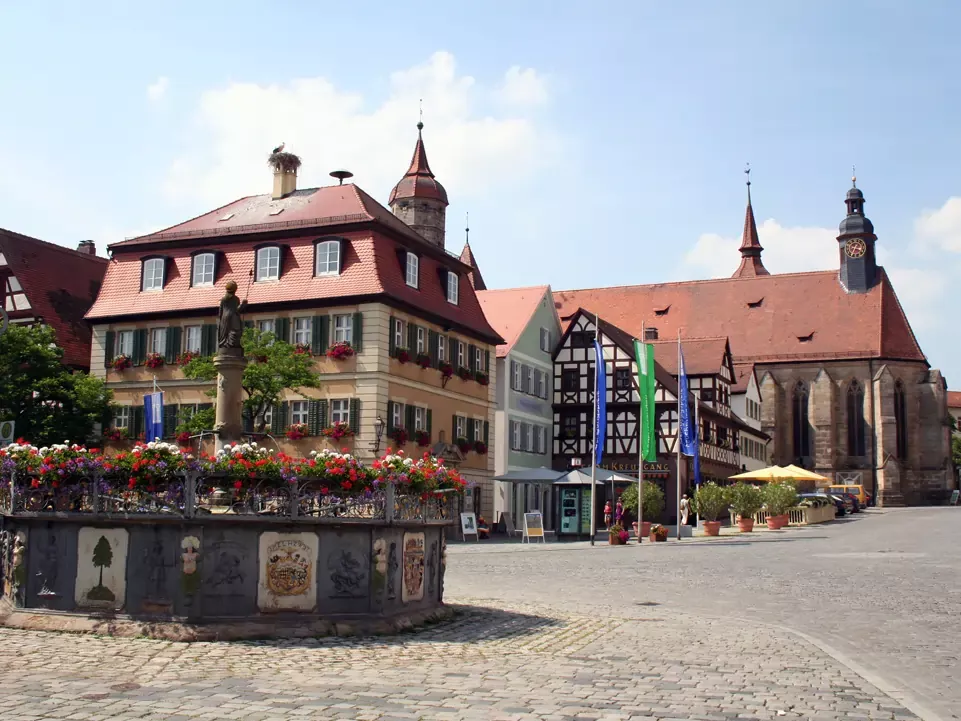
[[901, 420], [855, 418], [327, 257], [800, 423], [268, 263], [204, 266]]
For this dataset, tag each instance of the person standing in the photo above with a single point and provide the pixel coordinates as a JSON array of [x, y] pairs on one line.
[[685, 509], [607, 514], [619, 513]]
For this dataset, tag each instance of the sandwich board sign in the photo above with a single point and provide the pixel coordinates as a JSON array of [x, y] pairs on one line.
[[468, 526], [7, 432], [534, 527]]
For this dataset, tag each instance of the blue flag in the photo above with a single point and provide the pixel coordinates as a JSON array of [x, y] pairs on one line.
[[600, 422], [688, 436], [153, 416]]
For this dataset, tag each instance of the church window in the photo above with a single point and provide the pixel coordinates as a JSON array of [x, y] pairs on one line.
[[800, 423], [855, 414], [901, 421]]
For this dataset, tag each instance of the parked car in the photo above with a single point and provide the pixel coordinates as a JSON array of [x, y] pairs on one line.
[[850, 497], [823, 499], [855, 490], [848, 504]]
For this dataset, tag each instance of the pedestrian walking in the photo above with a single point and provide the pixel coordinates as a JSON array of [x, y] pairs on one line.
[[607, 514], [685, 509], [619, 513]]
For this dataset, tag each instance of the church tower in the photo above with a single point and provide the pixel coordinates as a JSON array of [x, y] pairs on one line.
[[418, 199], [856, 239]]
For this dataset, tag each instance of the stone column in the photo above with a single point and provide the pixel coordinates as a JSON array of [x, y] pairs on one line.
[[230, 399]]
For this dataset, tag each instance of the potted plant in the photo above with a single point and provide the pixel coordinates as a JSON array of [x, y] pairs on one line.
[[746, 501], [338, 430], [464, 373], [343, 351], [658, 533], [463, 444], [653, 506], [480, 448], [779, 498], [399, 436], [422, 438], [710, 501], [402, 354], [446, 369], [296, 431], [616, 535], [482, 378], [121, 362]]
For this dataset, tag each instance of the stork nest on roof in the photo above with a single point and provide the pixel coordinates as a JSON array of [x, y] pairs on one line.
[[286, 162]]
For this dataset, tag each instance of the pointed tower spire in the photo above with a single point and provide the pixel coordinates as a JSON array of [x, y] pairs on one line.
[[467, 256], [751, 265], [418, 198]]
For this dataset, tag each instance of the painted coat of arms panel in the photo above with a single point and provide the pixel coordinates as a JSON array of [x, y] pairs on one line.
[[288, 572], [413, 584]]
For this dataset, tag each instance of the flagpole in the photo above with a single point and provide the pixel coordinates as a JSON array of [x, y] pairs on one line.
[[640, 439], [697, 433], [677, 445], [594, 445]]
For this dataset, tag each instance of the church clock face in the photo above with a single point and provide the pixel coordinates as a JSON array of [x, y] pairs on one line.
[[855, 248]]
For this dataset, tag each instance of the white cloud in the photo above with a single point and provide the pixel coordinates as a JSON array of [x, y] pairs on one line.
[[941, 228], [157, 90], [786, 250], [523, 87], [333, 128]]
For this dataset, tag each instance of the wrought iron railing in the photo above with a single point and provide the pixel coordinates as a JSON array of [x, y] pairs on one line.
[[198, 496]]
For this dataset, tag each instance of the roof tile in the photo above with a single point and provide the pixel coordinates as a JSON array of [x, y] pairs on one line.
[[509, 311]]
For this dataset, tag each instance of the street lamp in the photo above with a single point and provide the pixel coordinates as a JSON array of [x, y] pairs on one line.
[[378, 433]]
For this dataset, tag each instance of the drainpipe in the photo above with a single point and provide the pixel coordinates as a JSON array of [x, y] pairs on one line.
[[874, 438]]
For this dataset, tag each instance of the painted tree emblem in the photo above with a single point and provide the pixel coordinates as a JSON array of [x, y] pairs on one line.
[[102, 558]]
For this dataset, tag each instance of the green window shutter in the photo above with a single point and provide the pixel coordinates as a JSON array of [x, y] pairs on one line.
[[392, 340], [471, 357], [487, 433], [208, 340], [324, 321], [313, 418], [247, 420], [390, 417], [412, 338], [409, 419], [487, 362], [470, 429], [453, 428], [354, 415], [137, 421], [357, 332], [324, 415], [282, 328], [432, 344], [170, 420], [278, 418], [452, 351], [316, 339], [173, 344], [109, 342], [429, 422], [139, 346]]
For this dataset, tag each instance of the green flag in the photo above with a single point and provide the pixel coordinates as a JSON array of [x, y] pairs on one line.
[[644, 352]]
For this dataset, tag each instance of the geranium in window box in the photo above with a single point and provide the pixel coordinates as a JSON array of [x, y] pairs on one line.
[[399, 436], [297, 431], [464, 373], [422, 438], [338, 431], [302, 349], [463, 444], [480, 447], [185, 358], [116, 434], [446, 369], [340, 351], [183, 438], [423, 360], [121, 363], [402, 354], [154, 360], [482, 378]]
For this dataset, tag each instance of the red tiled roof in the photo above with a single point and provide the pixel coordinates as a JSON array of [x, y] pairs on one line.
[[509, 311], [467, 257], [702, 356], [370, 265], [742, 377], [764, 317], [418, 181], [954, 399], [61, 284]]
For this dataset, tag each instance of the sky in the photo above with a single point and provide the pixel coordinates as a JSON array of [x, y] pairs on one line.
[[592, 143]]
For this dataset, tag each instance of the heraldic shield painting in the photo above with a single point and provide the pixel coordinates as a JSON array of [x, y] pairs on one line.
[[413, 588], [288, 568]]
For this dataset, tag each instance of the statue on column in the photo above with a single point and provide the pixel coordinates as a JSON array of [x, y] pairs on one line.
[[230, 324]]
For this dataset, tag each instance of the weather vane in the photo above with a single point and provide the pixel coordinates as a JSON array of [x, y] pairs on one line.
[[467, 229], [854, 176], [747, 172]]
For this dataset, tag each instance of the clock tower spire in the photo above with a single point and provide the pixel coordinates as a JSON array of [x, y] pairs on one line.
[[856, 239]]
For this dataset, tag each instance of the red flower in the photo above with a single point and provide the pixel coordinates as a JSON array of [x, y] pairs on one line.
[[238, 485], [347, 485], [131, 483], [35, 483]]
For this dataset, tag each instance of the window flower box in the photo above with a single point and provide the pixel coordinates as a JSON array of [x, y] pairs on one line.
[[185, 358], [340, 351], [183, 438], [463, 444], [482, 378], [116, 434], [423, 360], [297, 431], [402, 354], [302, 349], [154, 360], [480, 448], [399, 436], [338, 431], [422, 438], [464, 373], [121, 363], [446, 369]]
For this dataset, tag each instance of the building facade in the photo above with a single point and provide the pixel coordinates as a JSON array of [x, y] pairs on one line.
[[318, 267], [746, 404], [845, 388], [527, 320], [50, 284]]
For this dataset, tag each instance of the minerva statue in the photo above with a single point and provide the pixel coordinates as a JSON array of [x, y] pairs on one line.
[[230, 326]]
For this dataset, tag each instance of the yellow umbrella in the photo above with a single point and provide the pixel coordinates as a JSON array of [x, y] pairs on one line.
[[805, 475], [773, 473]]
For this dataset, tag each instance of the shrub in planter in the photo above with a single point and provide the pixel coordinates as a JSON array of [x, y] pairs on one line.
[[464, 373], [402, 354], [342, 351], [710, 500], [779, 498], [653, 500], [658, 533], [480, 447], [617, 536], [463, 444], [746, 501], [121, 363], [422, 438]]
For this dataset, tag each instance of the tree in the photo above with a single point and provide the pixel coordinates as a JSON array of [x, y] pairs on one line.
[[273, 366], [49, 402], [956, 451]]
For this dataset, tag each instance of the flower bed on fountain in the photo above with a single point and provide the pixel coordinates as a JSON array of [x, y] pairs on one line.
[[245, 536]]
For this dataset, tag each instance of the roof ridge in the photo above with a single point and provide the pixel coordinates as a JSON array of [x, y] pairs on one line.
[[55, 246], [545, 286], [703, 280], [184, 222]]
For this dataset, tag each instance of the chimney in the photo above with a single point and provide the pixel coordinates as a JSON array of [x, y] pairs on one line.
[[87, 246], [285, 183]]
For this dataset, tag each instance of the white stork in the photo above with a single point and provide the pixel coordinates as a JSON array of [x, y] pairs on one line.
[[278, 149]]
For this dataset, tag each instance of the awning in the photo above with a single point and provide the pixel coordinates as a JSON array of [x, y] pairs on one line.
[[531, 475], [582, 477]]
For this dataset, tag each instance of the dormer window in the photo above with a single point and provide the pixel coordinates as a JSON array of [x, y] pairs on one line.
[[153, 274], [806, 338], [268, 263], [204, 266], [755, 303], [412, 270], [453, 287], [662, 311], [327, 258]]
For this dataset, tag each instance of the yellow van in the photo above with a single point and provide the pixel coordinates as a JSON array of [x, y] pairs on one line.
[[857, 491]]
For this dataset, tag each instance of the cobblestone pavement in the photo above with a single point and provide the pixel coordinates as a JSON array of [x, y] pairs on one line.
[[881, 590], [569, 634]]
